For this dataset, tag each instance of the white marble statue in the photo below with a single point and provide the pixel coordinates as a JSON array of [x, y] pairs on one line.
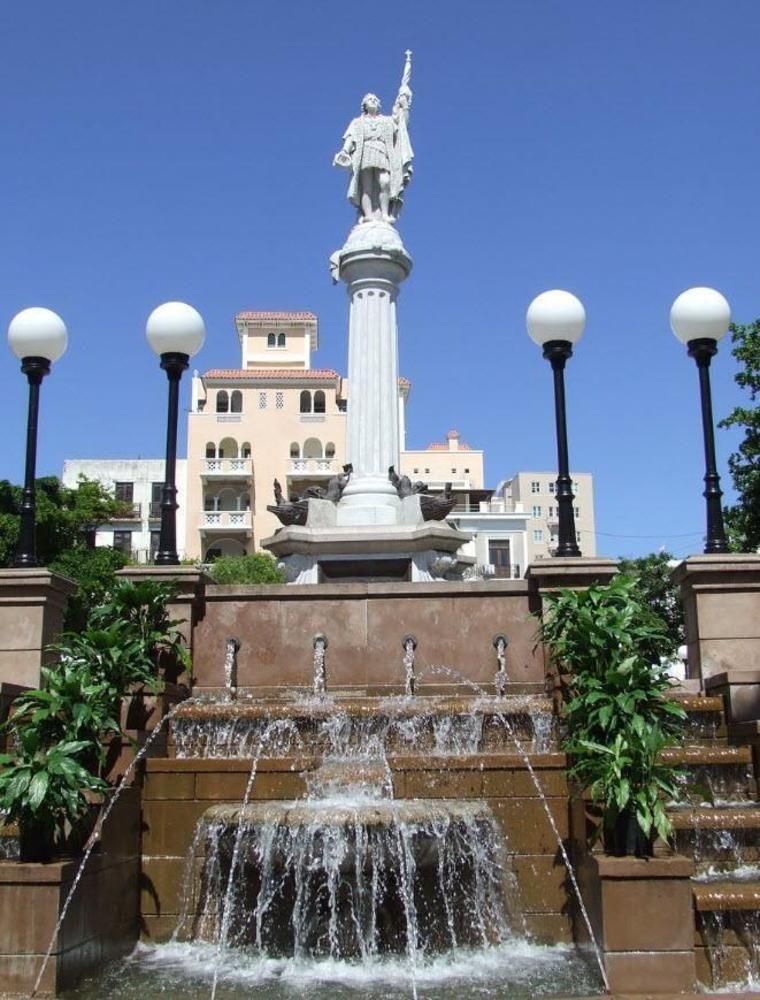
[[377, 151]]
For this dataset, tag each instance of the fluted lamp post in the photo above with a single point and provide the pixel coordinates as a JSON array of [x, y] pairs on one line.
[[699, 318], [175, 332], [38, 337], [555, 322]]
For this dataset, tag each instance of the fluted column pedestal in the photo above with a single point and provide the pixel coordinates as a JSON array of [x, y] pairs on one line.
[[373, 263]]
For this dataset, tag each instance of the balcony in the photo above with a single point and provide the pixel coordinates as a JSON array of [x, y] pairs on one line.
[[487, 507], [226, 520], [500, 571], [312, 467], [129, 511], [227, 468]]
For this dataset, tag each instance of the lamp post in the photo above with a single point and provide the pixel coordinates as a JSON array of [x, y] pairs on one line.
[[175, 332], [555, 322], [37, 337], [699, 317]]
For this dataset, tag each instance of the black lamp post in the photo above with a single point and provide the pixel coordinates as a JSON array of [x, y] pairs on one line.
[[699, 318], [37, 337], [175, 332], [556, 321]]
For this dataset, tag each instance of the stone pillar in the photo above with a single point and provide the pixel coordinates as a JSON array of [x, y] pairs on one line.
[[32, 603], [642, 914], [373, 263], [721, 599]]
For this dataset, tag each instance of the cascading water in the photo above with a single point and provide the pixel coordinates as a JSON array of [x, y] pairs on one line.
[[500, 643], [231, 647], [409, 645], [320, 676]]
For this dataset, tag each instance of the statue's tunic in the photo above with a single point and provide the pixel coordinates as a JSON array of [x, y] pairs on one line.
[[376, 144]]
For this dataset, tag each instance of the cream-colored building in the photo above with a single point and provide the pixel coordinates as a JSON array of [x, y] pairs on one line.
[[535, 491]]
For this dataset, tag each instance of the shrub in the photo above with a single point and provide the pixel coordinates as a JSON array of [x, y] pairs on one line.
[[94, 570], [256, 568]]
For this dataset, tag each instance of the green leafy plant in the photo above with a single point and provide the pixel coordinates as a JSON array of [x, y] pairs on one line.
[[44, 788], [94, 572], [256, 568], [606, 644]]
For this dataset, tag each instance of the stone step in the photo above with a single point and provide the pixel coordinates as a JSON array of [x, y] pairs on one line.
[[715, 755], [723, 818], [727, 896]]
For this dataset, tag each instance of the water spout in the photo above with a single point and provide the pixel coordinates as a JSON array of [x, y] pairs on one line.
[[232, 645], [409, 644], [500, 643], [320, 677]]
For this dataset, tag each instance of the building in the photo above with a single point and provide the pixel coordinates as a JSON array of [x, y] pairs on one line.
[[535, 492], [135, 481]]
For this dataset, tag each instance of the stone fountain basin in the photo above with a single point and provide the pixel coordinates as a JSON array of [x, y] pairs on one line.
[[337, 813]]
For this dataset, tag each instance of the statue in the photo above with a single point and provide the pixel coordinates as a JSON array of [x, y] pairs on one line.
[[377, 151], [404, 486]]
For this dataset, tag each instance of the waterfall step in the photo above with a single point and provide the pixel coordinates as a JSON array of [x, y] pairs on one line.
[[727, 896], [722, 818], [336, 813]]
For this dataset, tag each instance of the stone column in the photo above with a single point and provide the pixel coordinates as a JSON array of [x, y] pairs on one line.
[[721, 601], [373, 263], [32, 603]]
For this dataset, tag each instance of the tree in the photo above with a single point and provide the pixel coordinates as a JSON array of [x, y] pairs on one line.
[[656, 589], [94, 569], [743, 518], [64, 516]]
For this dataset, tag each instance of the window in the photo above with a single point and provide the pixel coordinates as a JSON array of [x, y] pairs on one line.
[[236, 402], [427, 472], [155, 538], [304, 404], [329, 450], [319, 401], [499, 557], [222, 402], [156, 492], [272, 340], [535, 487], [122, 540], [124, 492], [577, 511], [280, 339], [454, 471], [467, 471], [262, 401], [279, 400], [538, 535], [551, 512], [210, 450], [416, 471], [245, 450], [551, 487], [536, 511], [295, 451]]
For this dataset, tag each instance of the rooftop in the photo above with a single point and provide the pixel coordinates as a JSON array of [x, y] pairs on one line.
[[275, 374], [276, 314]]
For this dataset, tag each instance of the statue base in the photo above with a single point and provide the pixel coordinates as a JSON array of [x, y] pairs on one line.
[[411, 552]]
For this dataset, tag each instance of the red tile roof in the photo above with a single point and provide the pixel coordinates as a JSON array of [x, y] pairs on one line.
[[275, 374], [276, 314]]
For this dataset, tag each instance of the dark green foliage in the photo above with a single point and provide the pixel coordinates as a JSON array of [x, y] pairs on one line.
[[59, 731], [657, 591], [256, 568], [94, 569], [606, 644], [743, 518]]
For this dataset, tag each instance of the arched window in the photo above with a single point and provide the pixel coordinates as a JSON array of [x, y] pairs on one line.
[[228, 448], [211, 450], [209, 502], [272, 340], [236, 401], [222, 401], [280, 339], [312, 448], [305, 406], [245, 451], [319, 401], [228, 499], [329, 450], [295, 451]]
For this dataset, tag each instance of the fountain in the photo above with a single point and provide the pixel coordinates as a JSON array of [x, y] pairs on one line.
[[231, 647], [320, 677], [500, 643], [409, 645]]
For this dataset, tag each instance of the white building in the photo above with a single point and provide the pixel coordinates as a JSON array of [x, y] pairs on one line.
[[135, 481], [535, 491]]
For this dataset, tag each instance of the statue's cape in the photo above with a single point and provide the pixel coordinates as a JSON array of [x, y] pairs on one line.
[[396, 136]]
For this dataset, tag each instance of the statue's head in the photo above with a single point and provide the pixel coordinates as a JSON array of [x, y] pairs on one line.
[[370, 104]]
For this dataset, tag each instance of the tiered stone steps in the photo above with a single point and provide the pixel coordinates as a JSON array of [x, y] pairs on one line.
[[718, 825]]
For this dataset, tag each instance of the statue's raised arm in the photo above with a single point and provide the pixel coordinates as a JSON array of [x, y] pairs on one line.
[[377, 151]]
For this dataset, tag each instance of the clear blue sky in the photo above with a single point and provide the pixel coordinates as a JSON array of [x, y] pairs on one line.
[[182, 149]]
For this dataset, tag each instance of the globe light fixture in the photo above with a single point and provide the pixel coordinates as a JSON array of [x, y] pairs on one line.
[[699, 318], [38, 337], [555, 321], [175, 332]]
